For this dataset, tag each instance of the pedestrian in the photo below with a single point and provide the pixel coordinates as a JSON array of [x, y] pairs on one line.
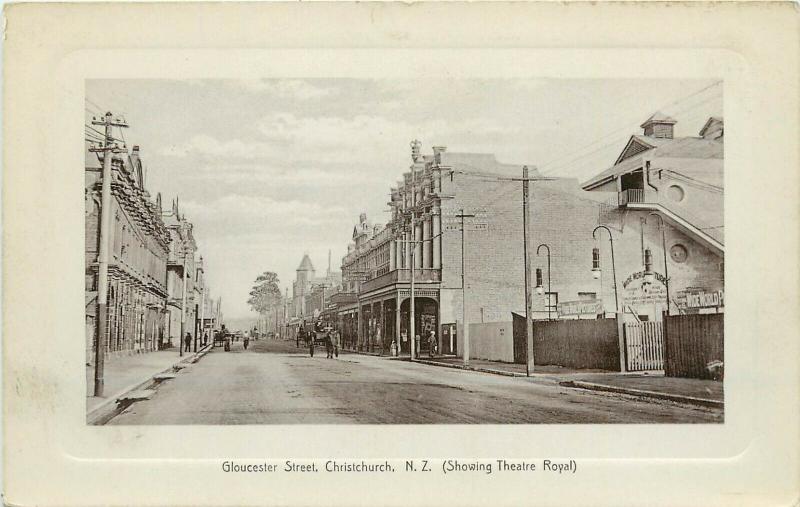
[[416, 345], [188, 342], [246, 341], [205, 338], [329, 345], [432, 344]]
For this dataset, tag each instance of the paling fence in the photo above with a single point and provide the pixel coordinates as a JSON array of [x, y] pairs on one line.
[[589, 344], [691, 342]]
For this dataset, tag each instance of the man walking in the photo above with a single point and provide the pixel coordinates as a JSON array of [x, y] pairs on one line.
[[329, 345], [188, 342]]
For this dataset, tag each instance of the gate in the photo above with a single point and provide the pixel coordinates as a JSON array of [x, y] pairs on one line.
[[644, 346]]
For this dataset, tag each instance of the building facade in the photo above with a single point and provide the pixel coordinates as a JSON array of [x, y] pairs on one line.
[[185, 277], [678, 183], [138, 252]]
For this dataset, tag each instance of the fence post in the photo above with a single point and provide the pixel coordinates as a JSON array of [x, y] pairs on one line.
[[664, 339], [623, 353]]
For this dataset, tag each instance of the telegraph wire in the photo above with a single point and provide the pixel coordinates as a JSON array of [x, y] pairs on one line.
[[616, 141], [627, 128]]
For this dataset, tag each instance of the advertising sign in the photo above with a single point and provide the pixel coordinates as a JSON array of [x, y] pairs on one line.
[[637, 292], [700, 298], [568, 308]]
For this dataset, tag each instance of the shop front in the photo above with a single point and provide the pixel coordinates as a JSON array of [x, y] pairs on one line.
[[383, 323]]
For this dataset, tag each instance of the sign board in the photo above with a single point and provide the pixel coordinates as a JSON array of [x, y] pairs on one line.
[[580, 307], [700, 298], [636, 292]]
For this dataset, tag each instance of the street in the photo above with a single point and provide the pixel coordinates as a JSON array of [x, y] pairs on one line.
[[275, 383]]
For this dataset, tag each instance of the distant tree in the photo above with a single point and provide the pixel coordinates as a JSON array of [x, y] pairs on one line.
[[266, 293]]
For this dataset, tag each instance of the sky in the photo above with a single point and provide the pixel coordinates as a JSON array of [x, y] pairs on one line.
[[268, 170]]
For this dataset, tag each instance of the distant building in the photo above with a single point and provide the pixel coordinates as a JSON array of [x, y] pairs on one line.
[[138, 250], [308, 289], [182, 268]]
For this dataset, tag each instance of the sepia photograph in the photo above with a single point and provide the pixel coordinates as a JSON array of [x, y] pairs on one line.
[[404, 251], [401, 254]]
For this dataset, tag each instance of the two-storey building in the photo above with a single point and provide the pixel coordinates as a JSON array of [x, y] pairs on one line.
[[138, 248]]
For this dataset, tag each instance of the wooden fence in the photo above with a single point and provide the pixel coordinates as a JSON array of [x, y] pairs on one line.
[[570, 343], [691, 342], [644, 346]]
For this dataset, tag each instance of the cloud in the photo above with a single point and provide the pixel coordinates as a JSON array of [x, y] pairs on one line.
[[245, 212], [297, 89]]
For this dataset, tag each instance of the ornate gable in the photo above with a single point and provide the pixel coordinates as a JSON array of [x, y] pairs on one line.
[[634, 147]]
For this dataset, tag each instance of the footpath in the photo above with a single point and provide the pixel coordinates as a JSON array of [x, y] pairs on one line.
[[129, 377], [651, 384]]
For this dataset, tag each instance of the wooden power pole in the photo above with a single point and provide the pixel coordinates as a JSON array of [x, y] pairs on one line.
[[108, 149]]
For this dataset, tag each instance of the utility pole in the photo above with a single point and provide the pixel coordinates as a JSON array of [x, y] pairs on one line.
[[529, 361], [203, 306], [464, 324], [411, 315], [183, 304], [108, 149]]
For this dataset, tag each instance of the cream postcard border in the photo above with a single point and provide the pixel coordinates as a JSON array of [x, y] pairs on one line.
[[53, 457]]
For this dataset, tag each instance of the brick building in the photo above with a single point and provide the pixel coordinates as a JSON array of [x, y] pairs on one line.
[[138, 250], [426, 205]]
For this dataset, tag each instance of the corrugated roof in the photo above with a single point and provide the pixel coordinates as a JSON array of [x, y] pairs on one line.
[[659, 117]]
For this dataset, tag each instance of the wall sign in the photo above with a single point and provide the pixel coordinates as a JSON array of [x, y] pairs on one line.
[[580, 308], [701, 298], [636, 292]]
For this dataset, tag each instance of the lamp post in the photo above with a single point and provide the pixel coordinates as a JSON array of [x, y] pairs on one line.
[[539, 289], [596, 263], [664, 248]]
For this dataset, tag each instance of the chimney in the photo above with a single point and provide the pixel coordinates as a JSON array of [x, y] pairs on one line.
[[415, 150], [659, 126], [437, 153]]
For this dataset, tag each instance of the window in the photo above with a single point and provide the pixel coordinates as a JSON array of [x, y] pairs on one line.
[[551, 301], [587, 296], [678, 253], [676, 193]]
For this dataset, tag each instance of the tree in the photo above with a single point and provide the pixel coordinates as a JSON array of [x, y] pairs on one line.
[[265, 293]]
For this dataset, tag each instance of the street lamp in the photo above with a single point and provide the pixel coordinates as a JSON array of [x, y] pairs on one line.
[[596, 262], [539, 278], [539, 288], [649, 276], [664, 248]]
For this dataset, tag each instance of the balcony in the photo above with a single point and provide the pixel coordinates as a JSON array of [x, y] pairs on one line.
[[421, 275], [631, 195]]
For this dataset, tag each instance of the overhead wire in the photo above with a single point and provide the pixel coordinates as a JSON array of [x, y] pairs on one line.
[[627, 126], [616, 141], [551, 169]]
